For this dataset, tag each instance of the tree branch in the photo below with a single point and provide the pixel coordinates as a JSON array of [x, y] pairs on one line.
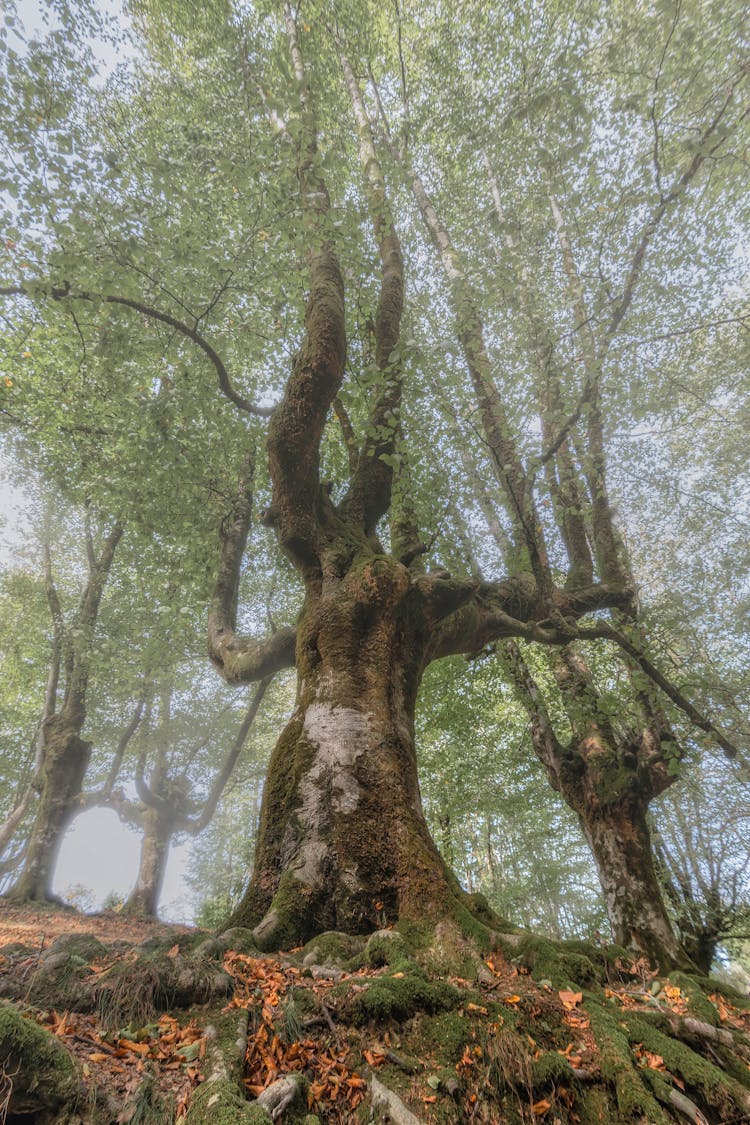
[[209, 808], [241, 659], [191, 333]]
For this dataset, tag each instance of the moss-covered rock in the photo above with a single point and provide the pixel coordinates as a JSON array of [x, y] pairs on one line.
[[390, 998], [555, 962], [45, 1082], [85, 946], [239, 939], [384, 947], [134, 991], [332, 948]]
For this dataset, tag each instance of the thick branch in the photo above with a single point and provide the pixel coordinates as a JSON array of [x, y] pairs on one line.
[[189, 332], [517, 608], [297, 425], [74, 703], [241, 659], [607, 632], [370, 493], [547, 745]]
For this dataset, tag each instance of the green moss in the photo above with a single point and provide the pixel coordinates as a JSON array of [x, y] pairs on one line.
[[390, 998], [85, 946], [384, 948], [716, 1087], [594, 1107], [549, 1068], [699, 1004], [285, 918], [615, 1061], [239, 939], [333, 948], [554, 962], [221, 1103], [44, 1075], [444, 1035]]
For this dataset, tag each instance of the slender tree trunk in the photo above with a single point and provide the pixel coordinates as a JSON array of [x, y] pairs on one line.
[[343, 840], [158, 829], [65, 761]]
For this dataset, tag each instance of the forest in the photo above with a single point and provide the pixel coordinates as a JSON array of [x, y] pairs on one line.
[[373, 415]]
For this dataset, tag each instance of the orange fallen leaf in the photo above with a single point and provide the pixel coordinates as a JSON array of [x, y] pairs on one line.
[[173, 951], [98, 1056], [540, 1108], [512, 1000], [570, 999], [137, 1048]]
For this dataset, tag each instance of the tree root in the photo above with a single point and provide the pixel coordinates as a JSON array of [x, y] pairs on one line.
[[385, 1102]]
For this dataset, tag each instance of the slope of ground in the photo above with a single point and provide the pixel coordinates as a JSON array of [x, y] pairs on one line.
[[109, 1020]]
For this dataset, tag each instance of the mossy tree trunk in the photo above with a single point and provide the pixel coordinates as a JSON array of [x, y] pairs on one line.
[[343, 842], [66, 757], [63, 755], [608, 776]]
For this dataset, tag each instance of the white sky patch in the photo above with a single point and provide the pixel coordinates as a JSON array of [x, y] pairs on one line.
[[99, 861]]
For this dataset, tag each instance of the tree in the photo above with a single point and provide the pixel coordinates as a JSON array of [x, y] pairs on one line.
[[342, 835], [61, 754], [167, 803]]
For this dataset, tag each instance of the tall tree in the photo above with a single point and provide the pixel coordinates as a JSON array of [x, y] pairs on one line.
[[294, 202]]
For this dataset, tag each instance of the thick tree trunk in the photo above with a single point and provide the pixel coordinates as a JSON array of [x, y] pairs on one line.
[[343, 843], [65, 761], [619, 837], [158, 829]]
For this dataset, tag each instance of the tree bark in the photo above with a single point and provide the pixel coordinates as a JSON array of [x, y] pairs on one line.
[[343, 840], [66, 759], [620, 840], [158, 829]]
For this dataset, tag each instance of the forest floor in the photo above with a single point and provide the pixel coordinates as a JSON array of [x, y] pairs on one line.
[[156, 1017]]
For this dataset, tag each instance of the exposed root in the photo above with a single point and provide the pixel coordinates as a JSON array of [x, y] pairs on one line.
[[385, 1102]]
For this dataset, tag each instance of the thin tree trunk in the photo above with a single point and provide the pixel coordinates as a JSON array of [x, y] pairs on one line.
[[158, 829]]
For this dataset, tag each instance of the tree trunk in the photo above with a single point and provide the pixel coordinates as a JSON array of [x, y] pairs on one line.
[[65, 761], [158, 829], [619, 837], [343, 842]]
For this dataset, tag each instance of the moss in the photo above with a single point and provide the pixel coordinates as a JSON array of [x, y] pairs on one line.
[[86, 946], [615, 1061], [239, 939], [552, 961], [398, 999], [549, 1068], [699, 1004], [44, 1075], [407, 967], [384, 948], [333, 948], [716, 1087], [220, 1103], [444, 1035], [594, 1107], [134, 991]]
